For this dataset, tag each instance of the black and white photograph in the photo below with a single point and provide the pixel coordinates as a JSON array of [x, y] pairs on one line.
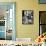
[[17, 45], [24, 44], [27, 17]]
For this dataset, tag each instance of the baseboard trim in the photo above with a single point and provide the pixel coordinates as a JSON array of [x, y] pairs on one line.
[[24, 39]]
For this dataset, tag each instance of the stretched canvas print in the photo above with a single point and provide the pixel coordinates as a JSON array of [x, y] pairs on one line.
[[7, 21], [27, 17]]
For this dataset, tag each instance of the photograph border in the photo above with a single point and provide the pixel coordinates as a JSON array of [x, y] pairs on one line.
[[32, 18]]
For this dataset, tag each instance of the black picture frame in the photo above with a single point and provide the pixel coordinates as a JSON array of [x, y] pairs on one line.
[[27, 16], [42, 22]]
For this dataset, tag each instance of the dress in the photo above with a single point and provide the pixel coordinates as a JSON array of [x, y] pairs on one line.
[[44, 44]]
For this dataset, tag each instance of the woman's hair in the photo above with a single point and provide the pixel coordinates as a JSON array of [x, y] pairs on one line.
[[44, 34], [41, 35], [44, 40]]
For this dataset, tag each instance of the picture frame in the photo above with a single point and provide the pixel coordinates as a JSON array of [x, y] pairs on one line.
[[42, 22], [42, 1], [27, 16], [7, 20]]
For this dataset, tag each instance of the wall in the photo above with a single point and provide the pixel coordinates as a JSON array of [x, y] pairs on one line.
[[28, 31]]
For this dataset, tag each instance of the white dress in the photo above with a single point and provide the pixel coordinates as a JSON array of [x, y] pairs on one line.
[[44, 44]]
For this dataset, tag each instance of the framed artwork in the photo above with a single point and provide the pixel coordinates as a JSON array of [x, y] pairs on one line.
[[0, 44], [17, 45], [42, 22], [42, 1], [7, 20], [27, 16], [24, 44]]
